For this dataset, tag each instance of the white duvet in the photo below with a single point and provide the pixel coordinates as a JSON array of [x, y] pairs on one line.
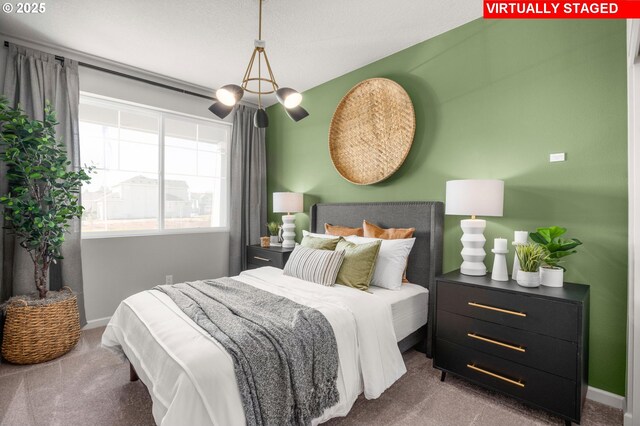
[[191, 377]]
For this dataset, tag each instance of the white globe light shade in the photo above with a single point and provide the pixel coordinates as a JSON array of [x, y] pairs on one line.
[[230, 94], [293, 100]]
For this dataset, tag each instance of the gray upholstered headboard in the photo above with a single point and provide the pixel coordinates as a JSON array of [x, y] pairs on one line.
[[425, 260]]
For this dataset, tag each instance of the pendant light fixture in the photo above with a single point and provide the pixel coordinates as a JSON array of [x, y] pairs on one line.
[[229, 95]]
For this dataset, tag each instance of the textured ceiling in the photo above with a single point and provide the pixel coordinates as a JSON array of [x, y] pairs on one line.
[[208, 43]]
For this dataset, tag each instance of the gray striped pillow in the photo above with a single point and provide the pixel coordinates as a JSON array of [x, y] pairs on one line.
[[317, 266]]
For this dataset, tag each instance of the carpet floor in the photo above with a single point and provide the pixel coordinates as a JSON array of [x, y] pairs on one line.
[[90, 386]]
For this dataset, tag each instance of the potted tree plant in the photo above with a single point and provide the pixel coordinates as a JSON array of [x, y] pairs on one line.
[[274, 229], [552, 273], [530, 256], [43, 197]]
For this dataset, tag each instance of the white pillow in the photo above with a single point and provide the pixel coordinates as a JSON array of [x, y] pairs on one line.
[[311, 234], [392, 260]]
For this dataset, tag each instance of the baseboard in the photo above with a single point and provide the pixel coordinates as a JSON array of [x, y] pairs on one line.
[[628, 419], [96, 323], [606, 398]]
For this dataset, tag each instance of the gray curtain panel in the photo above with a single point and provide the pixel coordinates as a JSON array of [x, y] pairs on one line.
[[33, 78], [248, 195]]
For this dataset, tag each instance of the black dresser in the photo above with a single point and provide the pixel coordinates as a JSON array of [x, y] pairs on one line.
[[258, 256], [529, 343]]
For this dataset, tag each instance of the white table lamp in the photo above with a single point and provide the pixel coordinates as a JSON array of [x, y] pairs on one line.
[[288, 202], [474, 197]]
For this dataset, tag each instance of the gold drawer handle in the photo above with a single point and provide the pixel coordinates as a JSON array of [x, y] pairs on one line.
[[495, 342], [493, 308], [262, 258], [497, 376]]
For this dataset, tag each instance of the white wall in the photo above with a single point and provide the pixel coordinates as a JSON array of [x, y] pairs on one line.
[[115, 268]]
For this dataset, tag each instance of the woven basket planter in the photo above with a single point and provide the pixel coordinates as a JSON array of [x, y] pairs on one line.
[[39, 333]]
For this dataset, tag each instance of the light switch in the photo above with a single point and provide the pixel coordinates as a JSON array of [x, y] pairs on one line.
[[557, 157]]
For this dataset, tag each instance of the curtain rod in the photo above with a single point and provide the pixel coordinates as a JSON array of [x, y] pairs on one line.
[[132, 77]]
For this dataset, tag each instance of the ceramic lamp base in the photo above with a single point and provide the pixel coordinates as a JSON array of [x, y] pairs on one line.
[[288, 231], [473, 253]]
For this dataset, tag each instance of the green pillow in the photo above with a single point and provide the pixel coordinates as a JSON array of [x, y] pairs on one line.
[[358, 264], [319, 243]]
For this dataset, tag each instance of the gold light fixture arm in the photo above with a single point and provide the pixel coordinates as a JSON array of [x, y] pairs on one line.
[[260, 70], [259, 51], [248, 70], [273, 79]]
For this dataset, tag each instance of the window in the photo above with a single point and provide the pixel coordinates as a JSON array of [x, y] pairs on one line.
[[155, 171]]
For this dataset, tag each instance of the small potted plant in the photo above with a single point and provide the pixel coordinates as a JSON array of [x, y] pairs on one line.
[[530, 256], [552, 273], [274, 230]]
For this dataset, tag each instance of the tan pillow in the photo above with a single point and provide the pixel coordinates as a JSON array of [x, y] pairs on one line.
[[342, 231], [374, 231]]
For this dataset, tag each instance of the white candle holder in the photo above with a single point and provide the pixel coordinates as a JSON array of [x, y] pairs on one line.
[[516, 262], [499, 272]]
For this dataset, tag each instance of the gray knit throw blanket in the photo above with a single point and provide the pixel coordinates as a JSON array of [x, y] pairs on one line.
[[285, 354]]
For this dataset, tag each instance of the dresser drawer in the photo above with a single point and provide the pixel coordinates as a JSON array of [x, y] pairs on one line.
[[545, 316], [545, 353], [545, 390], [258, 257]]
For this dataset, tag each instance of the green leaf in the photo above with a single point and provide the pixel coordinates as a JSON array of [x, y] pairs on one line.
[[537, 238], [43, 196]]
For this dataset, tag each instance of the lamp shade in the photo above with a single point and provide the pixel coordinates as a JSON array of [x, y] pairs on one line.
[[287, 202], [220, 109], [475, 197], [261, 119], [288, 97], [230, 94], [296, 113]]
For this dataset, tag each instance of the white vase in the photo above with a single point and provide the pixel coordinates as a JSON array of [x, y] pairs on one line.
[[551, 277], [528, 279]]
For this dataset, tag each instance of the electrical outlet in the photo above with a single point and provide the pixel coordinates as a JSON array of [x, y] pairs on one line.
[[168, 279], [557, 157]]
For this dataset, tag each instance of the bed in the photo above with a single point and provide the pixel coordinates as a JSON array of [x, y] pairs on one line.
[[191, 378], [425, 260]]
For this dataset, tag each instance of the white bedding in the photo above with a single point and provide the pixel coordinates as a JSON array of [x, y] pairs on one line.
[[409, 307], [191, 377]]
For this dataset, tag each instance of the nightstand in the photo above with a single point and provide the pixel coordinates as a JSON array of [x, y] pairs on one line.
[[258, 256], [529, 343]]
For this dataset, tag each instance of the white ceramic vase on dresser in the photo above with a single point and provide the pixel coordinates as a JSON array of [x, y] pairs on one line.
[[551, 277], [528, 279]]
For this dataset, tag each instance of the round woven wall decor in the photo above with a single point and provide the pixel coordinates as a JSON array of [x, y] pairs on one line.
[[371, 131]]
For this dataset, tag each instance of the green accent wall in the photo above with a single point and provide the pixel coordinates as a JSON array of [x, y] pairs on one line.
[[493, 99]]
